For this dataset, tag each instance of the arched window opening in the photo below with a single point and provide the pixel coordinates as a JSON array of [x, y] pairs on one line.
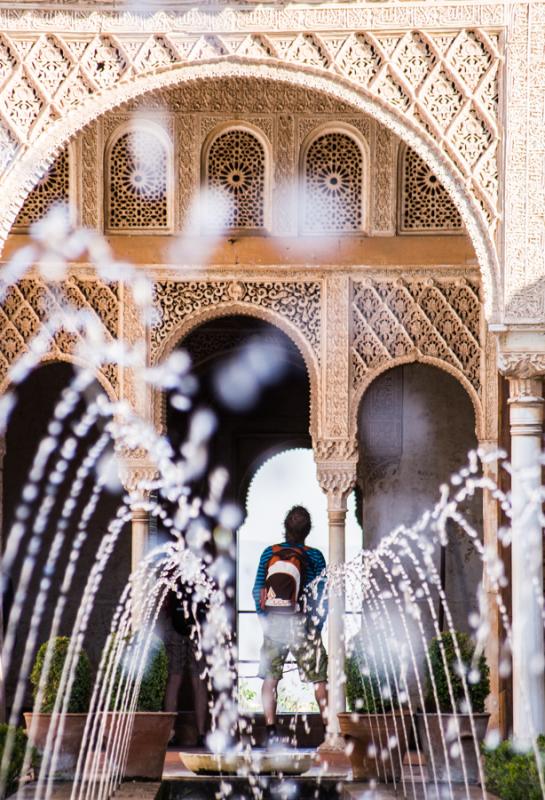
[[333, 185], [287, 479], [424, 204], [53, 188], [235, 175], [137, 177]]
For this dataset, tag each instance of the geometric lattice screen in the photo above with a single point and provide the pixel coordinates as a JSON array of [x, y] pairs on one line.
[[53, 188], [137, 179], [425, 206], [235, 177], [333, 185]]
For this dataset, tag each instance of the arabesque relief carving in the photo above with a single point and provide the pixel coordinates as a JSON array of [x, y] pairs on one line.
[[415, 316], [30, 302]]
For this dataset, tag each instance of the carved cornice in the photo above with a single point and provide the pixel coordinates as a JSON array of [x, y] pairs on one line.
[[335, 450]]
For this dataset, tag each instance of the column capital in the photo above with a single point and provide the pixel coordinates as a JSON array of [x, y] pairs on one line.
[[337, 480], [136, 472]]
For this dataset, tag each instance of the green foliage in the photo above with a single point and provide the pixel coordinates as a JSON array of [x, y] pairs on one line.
[[17, 756], [81, 687], [154, 678], [478, 685], [511, 775], [367, 694]]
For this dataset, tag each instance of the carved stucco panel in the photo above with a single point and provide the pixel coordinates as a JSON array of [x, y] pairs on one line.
[[297, 302], [31, 301], [336, 357], [419, 317]]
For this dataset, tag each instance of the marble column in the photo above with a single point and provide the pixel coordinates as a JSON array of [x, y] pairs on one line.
[[526, 421], [337, 481], [137, 475], [2, 680]]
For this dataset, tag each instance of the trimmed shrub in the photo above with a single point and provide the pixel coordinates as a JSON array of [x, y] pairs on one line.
[[478, 686], [511, 775], [15, 766], [154, 680], [367, 694], [81, 687]]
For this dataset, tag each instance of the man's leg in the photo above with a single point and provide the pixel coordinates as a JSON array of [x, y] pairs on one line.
[[268, 698], [320, 693]]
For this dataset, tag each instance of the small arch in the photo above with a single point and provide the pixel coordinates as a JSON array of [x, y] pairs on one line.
[[334, 165], [236, 169], [415, 358], [423, 204], [138, 179], [7, 384], [232, 309]]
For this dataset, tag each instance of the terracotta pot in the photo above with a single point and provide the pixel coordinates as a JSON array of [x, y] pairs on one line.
[[433, 749], [148, 742], [362, 732], [72, 736]]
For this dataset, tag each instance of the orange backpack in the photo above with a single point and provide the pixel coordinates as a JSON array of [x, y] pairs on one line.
[[284, 580]]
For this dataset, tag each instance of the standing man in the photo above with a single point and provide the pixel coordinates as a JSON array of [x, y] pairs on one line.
[[292, 610]]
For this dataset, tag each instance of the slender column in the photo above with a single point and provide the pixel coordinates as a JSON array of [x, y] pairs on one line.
[[336, 512], [136, 475], [526, 420], [2, 679], [490, 541], [337, 481]]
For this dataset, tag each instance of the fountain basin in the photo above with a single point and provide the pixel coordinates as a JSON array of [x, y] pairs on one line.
[[262, 762], [367, 735]]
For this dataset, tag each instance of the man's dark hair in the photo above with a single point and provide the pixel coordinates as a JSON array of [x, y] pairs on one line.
[[297, 525]]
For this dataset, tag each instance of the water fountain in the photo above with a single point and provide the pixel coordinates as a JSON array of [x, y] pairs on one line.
[[403, 686]]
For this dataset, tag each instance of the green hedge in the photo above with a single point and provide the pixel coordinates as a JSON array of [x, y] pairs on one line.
[[478, 691], [154, 679], [511, 775], [365, 693], [17, 756], [81, 687]]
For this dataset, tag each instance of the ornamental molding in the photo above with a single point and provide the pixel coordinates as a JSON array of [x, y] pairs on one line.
[[335, 450], [31, 302], [436, 90]]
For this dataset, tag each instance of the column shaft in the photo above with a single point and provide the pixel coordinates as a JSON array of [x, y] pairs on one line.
[[336, 643], [526, 418], [139, 545]]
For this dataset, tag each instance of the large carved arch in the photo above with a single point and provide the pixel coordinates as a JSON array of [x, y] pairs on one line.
[[232, 308], [26, 167]]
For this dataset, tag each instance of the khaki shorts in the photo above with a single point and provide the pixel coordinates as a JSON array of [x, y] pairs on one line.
[[289, 634]]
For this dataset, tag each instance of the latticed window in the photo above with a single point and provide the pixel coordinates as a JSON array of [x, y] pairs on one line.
[[235, 176], [333, 184], [137, 182], [53, 188], [425, 205]]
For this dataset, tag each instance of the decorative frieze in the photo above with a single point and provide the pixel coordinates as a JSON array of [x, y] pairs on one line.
[[296, 302]]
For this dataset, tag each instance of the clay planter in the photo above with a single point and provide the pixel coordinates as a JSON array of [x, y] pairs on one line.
[[362, 731], [148, 742], [435, 743], [72, 737]]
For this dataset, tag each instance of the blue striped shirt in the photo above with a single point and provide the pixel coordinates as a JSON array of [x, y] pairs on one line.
[[311, 596]]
